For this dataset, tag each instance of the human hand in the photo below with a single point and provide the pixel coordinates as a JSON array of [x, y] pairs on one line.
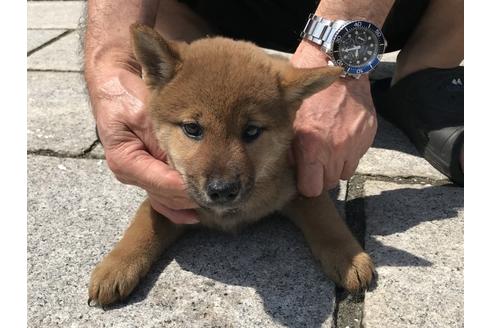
[[131, 149], [334, 128]]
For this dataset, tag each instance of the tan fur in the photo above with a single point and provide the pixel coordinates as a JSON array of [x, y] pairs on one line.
[[224, 85]]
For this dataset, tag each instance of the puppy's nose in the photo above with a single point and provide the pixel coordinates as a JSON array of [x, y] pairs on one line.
[[221, 191]]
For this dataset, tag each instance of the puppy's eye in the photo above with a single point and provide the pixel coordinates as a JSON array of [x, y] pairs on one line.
[[251, 133], [193, 130]]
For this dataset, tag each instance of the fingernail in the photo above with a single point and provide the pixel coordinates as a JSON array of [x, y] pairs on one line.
[[193, 221]]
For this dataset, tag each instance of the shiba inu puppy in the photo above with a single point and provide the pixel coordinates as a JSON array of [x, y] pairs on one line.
[[223, 110]]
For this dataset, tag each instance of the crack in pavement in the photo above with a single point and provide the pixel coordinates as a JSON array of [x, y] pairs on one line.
[[54, 70], [410, 179], [86, 153], [47, 43], [349, 308]]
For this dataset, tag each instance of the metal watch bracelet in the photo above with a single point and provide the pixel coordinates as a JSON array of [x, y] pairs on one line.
[[321, 31]]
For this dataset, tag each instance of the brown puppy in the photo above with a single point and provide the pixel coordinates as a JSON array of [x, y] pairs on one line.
[[223, 110]]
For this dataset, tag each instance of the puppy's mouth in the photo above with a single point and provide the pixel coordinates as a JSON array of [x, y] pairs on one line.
[[204, 199]]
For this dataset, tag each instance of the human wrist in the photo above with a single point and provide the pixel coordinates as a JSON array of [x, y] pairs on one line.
[[118, 97], [309, 55], [114, 68], [104, 60], [357, 92], [353, 87]]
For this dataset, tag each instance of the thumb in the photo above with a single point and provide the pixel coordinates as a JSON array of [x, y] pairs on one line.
[[156, 176]]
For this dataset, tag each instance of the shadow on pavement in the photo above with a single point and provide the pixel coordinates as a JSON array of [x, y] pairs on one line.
[[273, 258], [388, 136], [396, 211]]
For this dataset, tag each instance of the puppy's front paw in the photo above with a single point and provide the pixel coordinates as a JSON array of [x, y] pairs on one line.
[[354, 272], [113, 280]]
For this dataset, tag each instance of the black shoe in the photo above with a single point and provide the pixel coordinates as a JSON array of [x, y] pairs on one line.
[[429, 107]]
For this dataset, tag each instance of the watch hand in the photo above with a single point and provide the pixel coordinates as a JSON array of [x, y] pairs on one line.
[[354, 48], [357, 52]]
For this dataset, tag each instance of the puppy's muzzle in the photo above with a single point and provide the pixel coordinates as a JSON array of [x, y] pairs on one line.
[[222, 192]]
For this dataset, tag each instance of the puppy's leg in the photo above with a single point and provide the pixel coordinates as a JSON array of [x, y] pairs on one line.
[[119, 272], [331, 241]]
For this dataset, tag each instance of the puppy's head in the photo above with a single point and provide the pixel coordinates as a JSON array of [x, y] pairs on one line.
[[223, 111]]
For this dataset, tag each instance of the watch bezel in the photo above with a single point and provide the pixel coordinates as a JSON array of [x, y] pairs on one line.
[[346, 28]]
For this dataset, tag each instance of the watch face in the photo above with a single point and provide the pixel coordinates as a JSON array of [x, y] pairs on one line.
[[357, 47]]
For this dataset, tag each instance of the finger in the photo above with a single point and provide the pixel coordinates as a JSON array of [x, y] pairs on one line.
[[309, 172], [310, 178], [173, 202], [331, 184], [158, 178], [331, 174], [349, 169], [175, 216], [176, 199]]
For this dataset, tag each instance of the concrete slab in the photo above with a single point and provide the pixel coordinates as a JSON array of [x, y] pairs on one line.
[[415, 236], [387, 66], [390, 57], [58, 114], [392, 154], [36, 38], [264, 276], [54, 14], [384, 70], [62, 55]]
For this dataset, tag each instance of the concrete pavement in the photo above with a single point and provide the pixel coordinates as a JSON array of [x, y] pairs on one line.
[[410, 220]]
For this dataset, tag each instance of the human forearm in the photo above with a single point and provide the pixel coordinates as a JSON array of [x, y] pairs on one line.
[[310, 55], [107, 38], [369, 10]]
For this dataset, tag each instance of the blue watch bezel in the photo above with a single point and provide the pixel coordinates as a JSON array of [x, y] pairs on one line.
[[346, 29]]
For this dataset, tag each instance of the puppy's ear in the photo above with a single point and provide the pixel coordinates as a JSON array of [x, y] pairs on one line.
[[301, 83], [159, 58]]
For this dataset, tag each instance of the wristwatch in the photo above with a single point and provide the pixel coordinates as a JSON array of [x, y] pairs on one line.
[[357, 46]]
